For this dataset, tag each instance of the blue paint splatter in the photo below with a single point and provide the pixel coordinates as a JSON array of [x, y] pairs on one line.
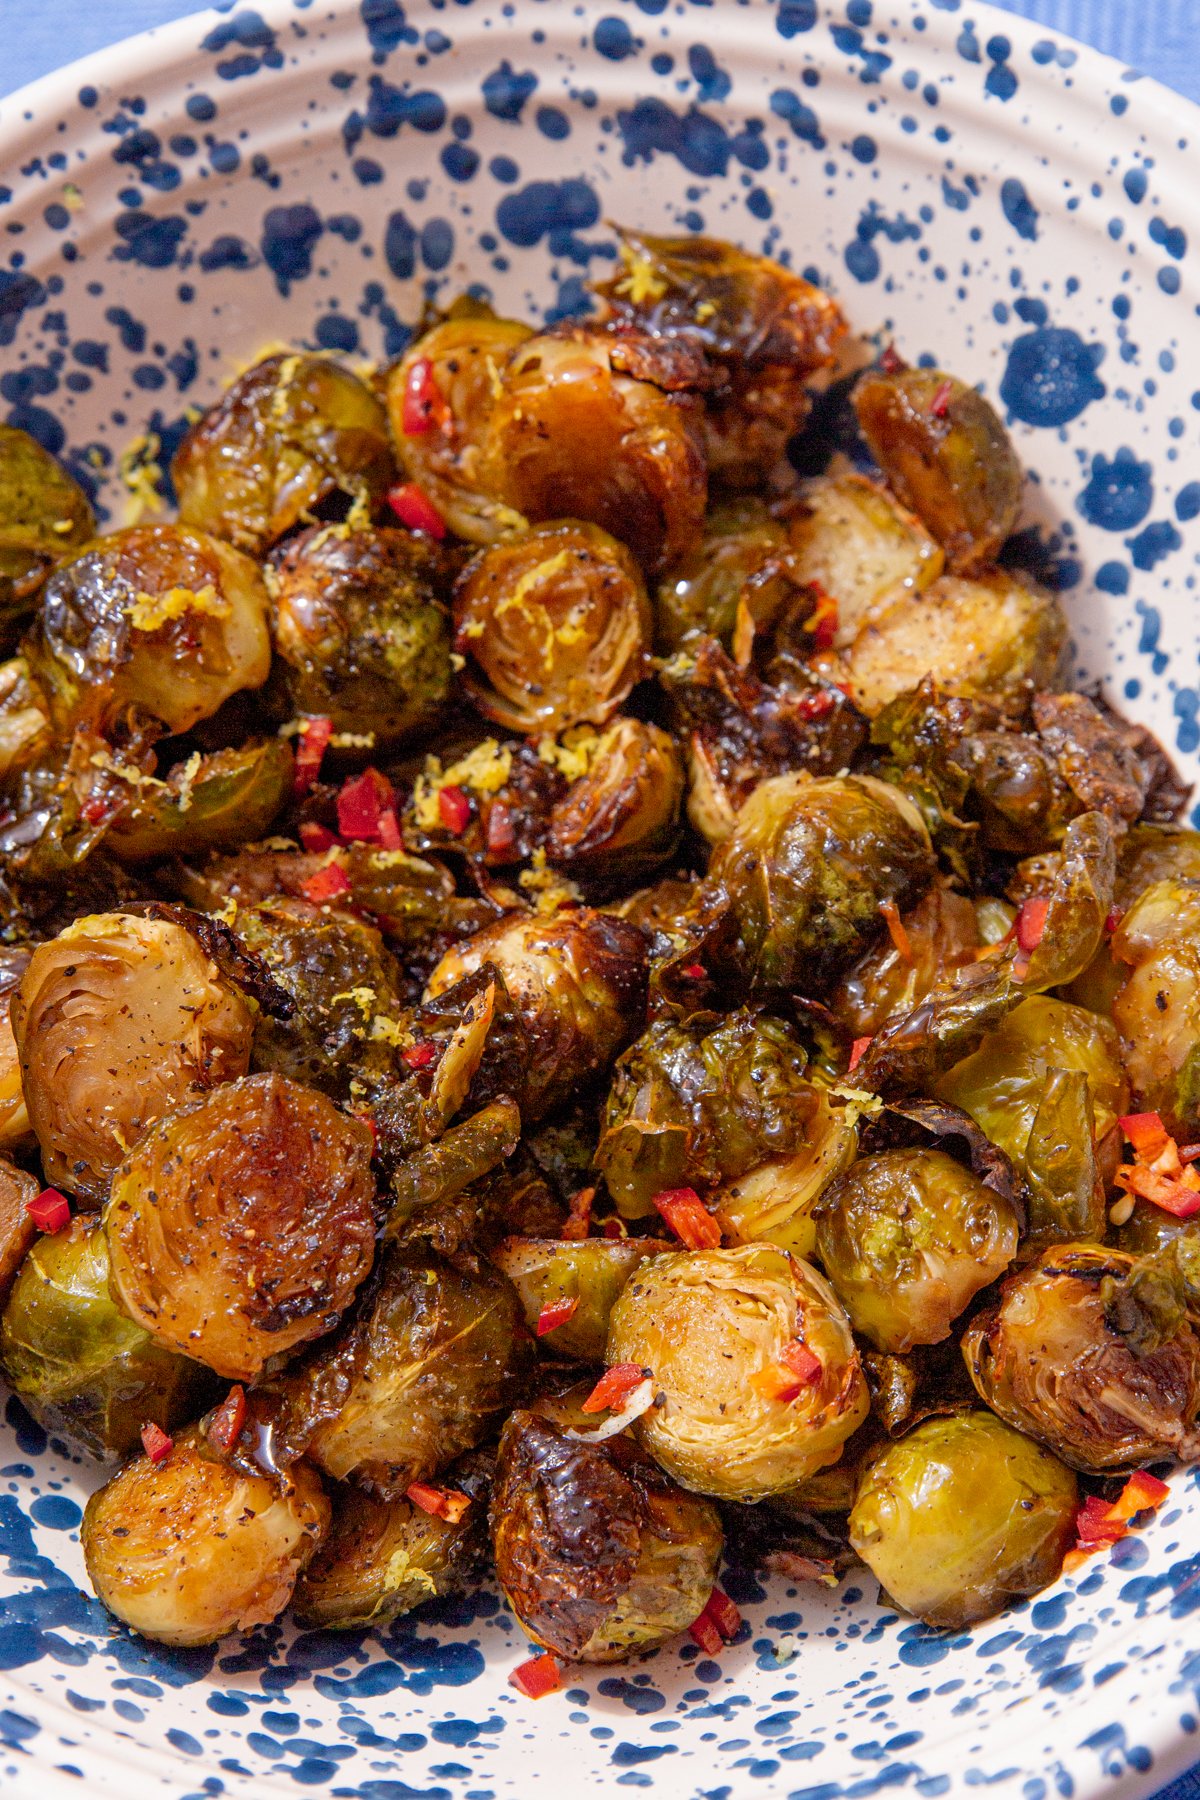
[[505, 91], [613, 38], [1151, 545], [860, 254], [289, 235], [554, 208], [1019, 209], [1051, 376], [1119, 494], [795, 16]]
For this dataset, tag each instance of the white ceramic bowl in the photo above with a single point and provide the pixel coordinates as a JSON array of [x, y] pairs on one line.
[[1018, 208]]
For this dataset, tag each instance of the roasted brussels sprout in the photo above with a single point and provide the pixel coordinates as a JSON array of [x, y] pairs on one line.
[[908, 1238], [775, 1202], [241, 1226], [598, 1553], [962, 1517], [1157, 1009], [577, 980], [940, 935], [433, 1354], [44, 516], [157, 621], [17, 1229], [809, 864], [15, 1129], [621, 817], [554, 626], [1059, 1360], [1153, 853], [206, 803], [589, 1271], [380, 1558], [26, 733], [713, 1327], [190, 1548], [946, 453], [851, 540], [440, 398], [286, 436], [741, 568], [117, 1021], [361, 630], [79, 1365]]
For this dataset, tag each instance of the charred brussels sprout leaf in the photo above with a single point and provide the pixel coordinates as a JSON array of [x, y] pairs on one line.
[[908, 1238], [621, 818], [380, 1558], [207, 803], [1157, 1009], [850, 539], [712, 1326], [742, 566], [591, 1271], [289, 434], [598, 1553], [190, 1549], [447, 1168], [242, 1225], [941, 934], [118, 1020], [79, 1365], [946, 453], [44, 516], [962, 1517]]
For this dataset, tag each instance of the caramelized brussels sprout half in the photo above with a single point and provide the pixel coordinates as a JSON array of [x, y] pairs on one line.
[[380, 1558], [44, 516], [1157, 1009], [850, 539], [190, 1549], [554, 626], [590, 1271], [433, 1355], [621, 817], [775, 1202], [17, 1229], [807, 868], [712, 1327], [453, 374], [79, 1365], [118, 1020], [1058, 1358], [241, 1226], [743, 560], [598, 1553], [962, 1517], [578, 981], [941, 934], [26, 732], [206, 803], [908, 1238], [159, 620], [289, 434], [946, 453], [361, 632], [16, 1132]]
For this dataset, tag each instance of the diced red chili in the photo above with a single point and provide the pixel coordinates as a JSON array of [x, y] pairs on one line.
[[815, 703], [418, 1056], [724, 1614], [225, 1426], [822, 622], [310, 749], [442, 1503], [694, 972], [939, 406], [1113, 919], [1179, 1198], [156, 1443], [416, 510], [317, 838], [99, 807], [614, 1387], [891, 361], [390, 837], [326, 884], [454, 809], [1100, 1523], [556, 1313], [423, 405], [50, 1211], [541, 1675], [361, 803], [858, 1050], [703, 1631], [689, 1218], [797, 1357], [1146, 1132], [1031, 923], [501, 831]]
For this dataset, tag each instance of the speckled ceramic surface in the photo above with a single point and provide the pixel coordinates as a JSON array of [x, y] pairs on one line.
[[1018, 207]]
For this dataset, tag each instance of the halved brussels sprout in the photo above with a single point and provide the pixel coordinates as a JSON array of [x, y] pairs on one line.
[[117, 1021], [583, 428], [1053, 1360], [447, 383], [908, 1238], [577, 980], [555, 627], [157, 620], [189, 1549], [380, 1558], [26, 732], [590, 1271], [241, 1226], [288, 434], [941, 934], [1157, 1009], [850, 539], [774, 1203], [712, 1327], [361, 631], [598, 1553], [15, 1128], [206, 803], [79, 1365], [809, 864], [432, 1356], [962, 1517], [44, 516], [622, 816], [17, 1229], [944, 450], [743, 560], [988, 637]]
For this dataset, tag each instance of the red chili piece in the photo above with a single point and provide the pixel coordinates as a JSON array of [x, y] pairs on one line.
[[418, 1056], [891, 361], [416, 510], [689, 1218], [326, 884], [441, 1503], [423, 405], [939, 406], [313, 743], [614, 1387], [539, 1676], [1031, 923], [454, 807], [156, 1443], [317, 838], [858, 1050], [556, 1313], [501, 831], [361, 803], [389, 830], [225, 1426], [50, 1211]]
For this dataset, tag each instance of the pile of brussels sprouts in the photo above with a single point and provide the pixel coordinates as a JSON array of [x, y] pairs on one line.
[[579, 990]]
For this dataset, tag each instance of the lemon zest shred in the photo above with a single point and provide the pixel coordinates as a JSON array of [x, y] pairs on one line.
[[150, 612]]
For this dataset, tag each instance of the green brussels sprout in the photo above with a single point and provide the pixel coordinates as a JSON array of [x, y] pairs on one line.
[[946, 453], [941, 934], [577, 979], [213, 802], [117, 1021], [809, 864], [962, 1517], [1059, 1358], [380, 1558], [1157, 1008], [598, 1553], [361, 632], [241, 1225], [79, 1365], [17, 1229], [158, 620], [289, 434], [447, 384], [593, 425], [908, 1238], [44, 516], [743, 560], [850, 539], [590, 1271], [554, 626], [189, 1549], [620, 819], [1149, 1230], [432, 1356], [712, 1327]]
